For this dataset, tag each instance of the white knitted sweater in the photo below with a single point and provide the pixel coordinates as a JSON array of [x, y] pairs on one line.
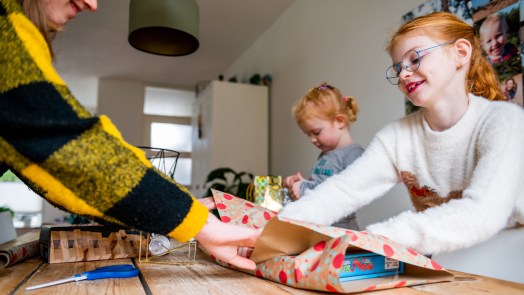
[[467, 181]]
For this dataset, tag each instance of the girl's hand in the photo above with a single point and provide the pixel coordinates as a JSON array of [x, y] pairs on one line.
[[225, 241]]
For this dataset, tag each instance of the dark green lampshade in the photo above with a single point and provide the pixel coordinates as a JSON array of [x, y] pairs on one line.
[[164, 27]]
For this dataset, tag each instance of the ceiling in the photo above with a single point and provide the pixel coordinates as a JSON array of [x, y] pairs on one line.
[[95, 44]]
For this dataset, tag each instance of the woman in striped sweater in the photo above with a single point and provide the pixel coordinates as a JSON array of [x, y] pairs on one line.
[[80, 162]]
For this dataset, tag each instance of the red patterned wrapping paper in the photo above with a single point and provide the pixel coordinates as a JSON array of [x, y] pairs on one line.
[[310, 256], [20, 249]]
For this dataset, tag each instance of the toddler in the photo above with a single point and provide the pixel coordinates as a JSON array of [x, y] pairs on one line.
[[325, 116]]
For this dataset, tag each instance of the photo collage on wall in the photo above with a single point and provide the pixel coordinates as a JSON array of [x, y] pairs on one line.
[[499, 25]]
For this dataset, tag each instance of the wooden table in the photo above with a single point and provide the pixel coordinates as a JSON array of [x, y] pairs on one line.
[[204, 277]]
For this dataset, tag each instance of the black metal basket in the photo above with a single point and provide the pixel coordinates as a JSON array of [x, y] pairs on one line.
[[164, 160]]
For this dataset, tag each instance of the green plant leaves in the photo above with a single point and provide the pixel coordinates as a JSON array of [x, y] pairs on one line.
[[229, 181]]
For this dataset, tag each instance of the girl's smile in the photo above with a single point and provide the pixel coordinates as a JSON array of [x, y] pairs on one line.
[[430, 68], [412, 86]]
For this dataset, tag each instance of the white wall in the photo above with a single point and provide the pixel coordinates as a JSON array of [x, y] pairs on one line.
[[337, 41], [123, 101], [342, 42], [84, 88]]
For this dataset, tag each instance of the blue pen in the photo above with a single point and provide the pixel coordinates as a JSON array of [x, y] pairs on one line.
[[106, 272]]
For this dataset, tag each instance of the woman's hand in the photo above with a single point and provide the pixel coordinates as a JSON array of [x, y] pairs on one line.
[[209, 202], [225, 241]]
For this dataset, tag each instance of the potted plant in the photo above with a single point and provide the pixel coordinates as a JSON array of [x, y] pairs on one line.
[[7, 228], [7, 209], [229, 181]]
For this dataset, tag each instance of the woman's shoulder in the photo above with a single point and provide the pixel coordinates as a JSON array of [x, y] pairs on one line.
[[10, 6]]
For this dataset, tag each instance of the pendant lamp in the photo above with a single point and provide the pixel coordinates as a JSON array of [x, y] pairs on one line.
[[164, 27]]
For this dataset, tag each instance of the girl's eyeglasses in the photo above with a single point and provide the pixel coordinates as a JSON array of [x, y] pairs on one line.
[[410, 62]]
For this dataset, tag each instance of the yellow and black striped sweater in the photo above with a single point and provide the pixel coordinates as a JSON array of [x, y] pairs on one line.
[[76, 161]]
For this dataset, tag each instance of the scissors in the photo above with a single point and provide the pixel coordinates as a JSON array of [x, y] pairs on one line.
[[106, 272]]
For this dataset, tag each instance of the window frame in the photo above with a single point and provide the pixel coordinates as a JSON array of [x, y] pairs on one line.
[[150, 119]]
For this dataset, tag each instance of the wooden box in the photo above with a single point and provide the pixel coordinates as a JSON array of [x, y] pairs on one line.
[[60, 244]]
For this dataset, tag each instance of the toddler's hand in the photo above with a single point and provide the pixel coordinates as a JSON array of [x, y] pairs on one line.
[[288, 181], [295, 190]]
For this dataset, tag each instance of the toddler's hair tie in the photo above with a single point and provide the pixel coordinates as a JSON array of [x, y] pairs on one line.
[[325, 87], [345, 98]]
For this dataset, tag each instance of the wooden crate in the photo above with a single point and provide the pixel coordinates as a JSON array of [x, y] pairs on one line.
[[76, 244]]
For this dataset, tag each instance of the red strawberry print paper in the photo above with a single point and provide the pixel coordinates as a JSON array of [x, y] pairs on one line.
[[239, 211], [310, 256]]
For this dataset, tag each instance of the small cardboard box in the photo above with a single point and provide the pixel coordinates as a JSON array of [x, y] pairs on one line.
[[365, 265]]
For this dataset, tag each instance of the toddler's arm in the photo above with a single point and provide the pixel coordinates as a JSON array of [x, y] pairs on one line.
[[368, 178]]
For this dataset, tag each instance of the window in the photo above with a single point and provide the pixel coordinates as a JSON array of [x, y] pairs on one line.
[[26, 204], [171, 136], [167, 124]]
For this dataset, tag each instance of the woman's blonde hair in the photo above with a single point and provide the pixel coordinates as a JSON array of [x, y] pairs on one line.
[[443, 26], [325, 102], [35, 12]]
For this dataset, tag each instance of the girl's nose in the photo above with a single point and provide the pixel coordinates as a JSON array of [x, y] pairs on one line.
[[91, 4], [403, 74]]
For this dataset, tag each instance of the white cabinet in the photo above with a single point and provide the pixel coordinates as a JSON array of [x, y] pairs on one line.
[[230, 129]]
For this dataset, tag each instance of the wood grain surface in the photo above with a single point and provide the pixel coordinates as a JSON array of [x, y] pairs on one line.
[[204, 277]]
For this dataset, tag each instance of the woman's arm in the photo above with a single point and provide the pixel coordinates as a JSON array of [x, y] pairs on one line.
[[81, 163]]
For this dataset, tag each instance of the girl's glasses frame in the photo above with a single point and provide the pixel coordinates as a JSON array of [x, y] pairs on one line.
[[393, 72]]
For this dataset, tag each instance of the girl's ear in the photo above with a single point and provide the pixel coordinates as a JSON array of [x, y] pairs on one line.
[[463, 52]]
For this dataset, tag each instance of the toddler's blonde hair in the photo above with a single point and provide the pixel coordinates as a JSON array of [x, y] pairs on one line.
[[325, 102]]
